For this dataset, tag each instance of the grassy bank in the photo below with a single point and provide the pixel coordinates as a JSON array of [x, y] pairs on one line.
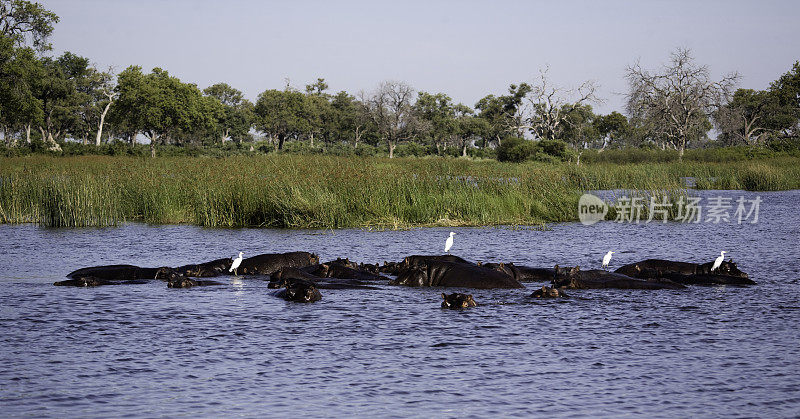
[[297, 191]]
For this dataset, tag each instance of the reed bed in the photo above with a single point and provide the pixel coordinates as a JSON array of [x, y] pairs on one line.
[[296, 191]]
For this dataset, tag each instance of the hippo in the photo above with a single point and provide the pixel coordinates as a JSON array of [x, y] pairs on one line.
[[391, 268], [394, 268], [121, 272], [206, 269], [574, 278], [343, 262], [687, 273], [523, 273], [336, 270], [93, 281], [416, 260], [369, 268], [457, 300], [300, 291], [547, 292], [271, 262], [439, 273], [286, 275], [184, 282]]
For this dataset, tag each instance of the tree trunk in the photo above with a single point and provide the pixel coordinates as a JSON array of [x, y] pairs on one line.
[[680, 152], [153, 138], [312, 139], [100, 125], [464, 150], [28, 133], [47, 138], [392, 145], [281, 140], [357, 138]]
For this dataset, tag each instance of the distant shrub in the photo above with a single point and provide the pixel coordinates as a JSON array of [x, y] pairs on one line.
[[515, 150], [482, 153], [413, 150]]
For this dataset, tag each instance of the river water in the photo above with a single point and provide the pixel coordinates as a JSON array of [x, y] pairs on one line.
[[149, 351]]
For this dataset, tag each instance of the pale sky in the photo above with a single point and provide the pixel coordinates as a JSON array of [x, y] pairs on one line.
[[467, 49]]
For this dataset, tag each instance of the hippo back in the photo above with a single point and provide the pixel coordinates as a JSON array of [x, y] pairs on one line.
[[266, 264], [416, 260], [656, 268], [206, 269]]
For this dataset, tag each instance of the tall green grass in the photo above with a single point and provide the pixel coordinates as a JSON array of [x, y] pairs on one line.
[[306, 191]]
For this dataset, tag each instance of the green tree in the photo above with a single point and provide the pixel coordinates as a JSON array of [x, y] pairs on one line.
[[611, 127], [237, 112], [63, 93], [163, 108], [577, 127], [435, 117], [469, 128], [504, 114], [20, 109], [281, 114], [22, 21], [787, 91]]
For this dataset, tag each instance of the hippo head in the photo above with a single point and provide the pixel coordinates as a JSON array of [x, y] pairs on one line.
[[323, 270], [181, 282], [458, 300], [730, 268], [392, 268], [547, 292], [415, 276], [167, 273], [277, 281], [563, 277], [370, 268], [302, 292]]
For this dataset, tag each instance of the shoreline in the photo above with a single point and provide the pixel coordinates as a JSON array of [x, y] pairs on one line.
[[325, 192]]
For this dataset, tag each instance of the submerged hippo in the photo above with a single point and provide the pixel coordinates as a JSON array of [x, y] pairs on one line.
[[300, 291], [206, 269], [523, 273], [121, 272], [286, 276], [574, 278], [547, 292], [454, 274], [457, 300], [272, 262], [184, 282], [336, 270], [687, 273], [394, 268], [93, 281]]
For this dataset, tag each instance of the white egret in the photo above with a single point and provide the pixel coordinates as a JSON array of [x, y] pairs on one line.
[[718, 261], [449, 243], [236, 263], [607, 259]]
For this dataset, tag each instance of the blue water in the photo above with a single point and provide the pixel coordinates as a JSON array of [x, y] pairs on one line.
[[150, 351]]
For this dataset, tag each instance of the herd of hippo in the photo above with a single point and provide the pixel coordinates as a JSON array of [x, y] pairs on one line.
[[300, 276]]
